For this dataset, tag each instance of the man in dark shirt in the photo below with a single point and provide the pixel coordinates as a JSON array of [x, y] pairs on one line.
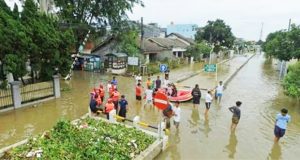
[[93, 104], [158, 82], [196, 93], [123, 107], [236, 114]]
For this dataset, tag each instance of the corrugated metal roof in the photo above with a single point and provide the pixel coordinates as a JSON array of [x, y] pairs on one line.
[[117, 54]]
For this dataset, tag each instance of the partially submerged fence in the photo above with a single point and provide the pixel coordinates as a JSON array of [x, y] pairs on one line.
[[18, 95], [38, 91], [5, 99]]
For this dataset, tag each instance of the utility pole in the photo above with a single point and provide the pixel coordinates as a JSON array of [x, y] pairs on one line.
[[283, 67], [142, 41], [289, 28], [260, 36], [142, 35]]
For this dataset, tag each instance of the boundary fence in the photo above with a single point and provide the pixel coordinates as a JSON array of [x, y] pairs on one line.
[[6, 99], [36, 91]]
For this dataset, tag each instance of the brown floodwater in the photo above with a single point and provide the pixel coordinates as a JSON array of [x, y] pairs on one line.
[[257, 85]]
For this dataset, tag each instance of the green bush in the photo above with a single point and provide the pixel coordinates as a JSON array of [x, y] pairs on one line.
[[87, 139], [291, 82], [4, 84], [153, 68]]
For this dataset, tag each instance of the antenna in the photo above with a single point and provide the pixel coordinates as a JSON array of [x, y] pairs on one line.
[[261, 31], [290, 21], [142, 34]]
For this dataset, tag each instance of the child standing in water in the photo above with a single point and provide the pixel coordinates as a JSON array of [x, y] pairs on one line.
[[236, 115], [177, 111], [282, 119], [208, 100]]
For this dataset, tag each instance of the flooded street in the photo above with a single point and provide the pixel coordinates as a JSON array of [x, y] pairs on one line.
[[257, 85]]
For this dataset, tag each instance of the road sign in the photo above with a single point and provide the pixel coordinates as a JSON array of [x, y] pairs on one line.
[[161, 100], [163, 67], [210, 68]]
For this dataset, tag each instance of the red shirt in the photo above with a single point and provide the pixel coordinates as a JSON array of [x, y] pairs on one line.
[[138, 91]]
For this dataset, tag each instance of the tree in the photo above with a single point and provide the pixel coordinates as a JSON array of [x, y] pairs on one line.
[[94, 15], [291, 83], [15, 64], [198, 50], [4, 7], [127, 42], [50, 48], [216, 33], [293, 35], [279, 45], [35, 37], [15, 12], [13, 44]]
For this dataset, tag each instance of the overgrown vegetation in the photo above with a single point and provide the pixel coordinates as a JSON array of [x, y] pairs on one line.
[[199, 50], [291, 82], [283, 44], [153, 67], [87, 139]]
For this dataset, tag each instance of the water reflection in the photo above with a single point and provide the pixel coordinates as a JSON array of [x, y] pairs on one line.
[[207, 128], [175, 151], [194, 120], [231, 147], [195, 117], [275, 152]]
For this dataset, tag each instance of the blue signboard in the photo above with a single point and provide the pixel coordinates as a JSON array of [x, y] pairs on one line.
[[163, 67]]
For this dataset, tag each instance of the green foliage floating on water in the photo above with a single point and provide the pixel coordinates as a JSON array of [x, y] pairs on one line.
[[87, 139]]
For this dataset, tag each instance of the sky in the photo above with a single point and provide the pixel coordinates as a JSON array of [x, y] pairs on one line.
[[245, 17]]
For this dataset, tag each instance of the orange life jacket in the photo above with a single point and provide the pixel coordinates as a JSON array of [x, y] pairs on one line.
[[109, 107], [102, 92], [99, 101], [115, 96], [111, 90]]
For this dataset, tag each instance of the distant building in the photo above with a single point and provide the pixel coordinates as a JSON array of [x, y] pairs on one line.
[[187, 30], [151, 30]]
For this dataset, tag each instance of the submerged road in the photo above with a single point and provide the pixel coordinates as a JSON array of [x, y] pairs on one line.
[[256, 85]]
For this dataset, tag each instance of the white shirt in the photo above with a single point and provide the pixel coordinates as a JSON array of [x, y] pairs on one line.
[[208, 98], [177, 114], [165, 83], [149, 93], [220, 88], [137, 78]]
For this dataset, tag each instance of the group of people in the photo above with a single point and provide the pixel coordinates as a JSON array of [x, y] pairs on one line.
[[115, 101], [120, 104], [152, 87], [218, 92]]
